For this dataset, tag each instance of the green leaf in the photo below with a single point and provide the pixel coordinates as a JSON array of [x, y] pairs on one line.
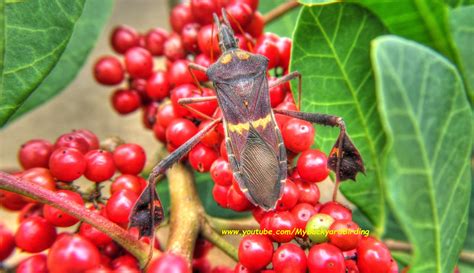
[[428, 123], [462, 27], [423, 21], [318, 2], [282, 26], [458, 3], [204, 186], [85, 34], [331, 49], [36, 34], [2, 44]]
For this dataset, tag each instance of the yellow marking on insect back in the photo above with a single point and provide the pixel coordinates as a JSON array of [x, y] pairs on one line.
[[226, 58], [241, 127], [262, 122], [238, 128], [242, 55]]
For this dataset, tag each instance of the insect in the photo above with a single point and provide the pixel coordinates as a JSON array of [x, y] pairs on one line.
[[253, 140]]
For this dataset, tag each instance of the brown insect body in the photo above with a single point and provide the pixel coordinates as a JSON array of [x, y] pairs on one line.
[[254, 143]]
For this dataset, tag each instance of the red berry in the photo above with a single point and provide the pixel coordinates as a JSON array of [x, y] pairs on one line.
[[178, 73], [277, 93], [94, 235], [373, 256], [289, 197], [201, 157], [268, 49], [108, 71], [289, 257], [325, 258], [181, 15], [33, 264], [223, 150], [179, 131], [169, 262], [127, 182], [284, 49], [7, 242], [12, 201], [166, 114], [180, 92], [189, 37], [67, 164], [125, 263], [41, 177], [336, 210], [220, 195], [120, 205], [139, 62], [158, 86], [252, 3], [155, 41], [58, 217], [35, 153], [345, 234], [149, 115], [206, 107], [72, 140], [256, 25], [240, 14], [124, 38], [203, 10], [72, 254], [298, 135], [204, 61], [282, 224], [212, 138], [129, 158], [312, 166], [125, 101], [351, 266], [236, 200], [205, 43], [100, 165], [201, 248], [301, 213], [221, 173], [239, 268], [174, 49], [35, 234], [255, 251], [89, 136], [309, 192]]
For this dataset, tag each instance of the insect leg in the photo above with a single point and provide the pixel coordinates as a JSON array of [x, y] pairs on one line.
[[344, 158], [185, 101], [193, 66], [147, 211], [287, 78]]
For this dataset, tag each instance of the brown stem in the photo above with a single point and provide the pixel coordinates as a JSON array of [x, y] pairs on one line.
[[188, 218], [465, 256], [40, 194], [185, 212], [214, 237], [238, 224], [279, 11]]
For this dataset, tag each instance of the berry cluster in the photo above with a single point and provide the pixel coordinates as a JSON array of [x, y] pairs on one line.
[[194, 39], [55, 167], [336, 243]]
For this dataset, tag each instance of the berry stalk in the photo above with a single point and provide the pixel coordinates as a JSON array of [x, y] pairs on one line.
[[279, 11], [40, 194]]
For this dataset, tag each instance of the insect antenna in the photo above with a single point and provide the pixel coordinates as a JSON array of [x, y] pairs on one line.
[[248, 38]]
